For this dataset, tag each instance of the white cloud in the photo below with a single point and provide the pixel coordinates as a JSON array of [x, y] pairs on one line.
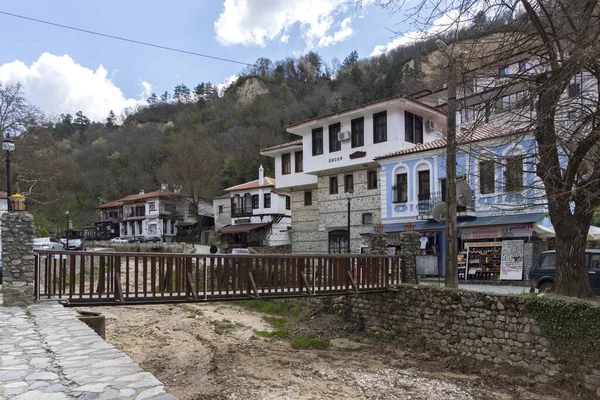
[[57, 84], [256, 22], [225, 84], [449, 21]]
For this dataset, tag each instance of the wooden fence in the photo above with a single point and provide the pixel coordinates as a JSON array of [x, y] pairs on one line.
[[95, 278]]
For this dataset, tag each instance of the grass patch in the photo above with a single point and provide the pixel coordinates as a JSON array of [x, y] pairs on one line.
[[224, 326], [309, 342], [325, 355], [192, 316], [279, 333], [274, 308]]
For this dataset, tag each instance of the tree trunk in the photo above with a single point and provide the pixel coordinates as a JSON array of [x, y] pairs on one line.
[[571, 268]]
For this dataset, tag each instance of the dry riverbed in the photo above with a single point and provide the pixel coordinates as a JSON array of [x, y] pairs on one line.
[[213, 351]]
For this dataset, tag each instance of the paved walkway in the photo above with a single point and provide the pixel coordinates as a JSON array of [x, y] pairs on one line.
[[47, 353]]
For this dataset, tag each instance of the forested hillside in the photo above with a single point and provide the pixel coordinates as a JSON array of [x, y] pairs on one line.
[[194, 135]]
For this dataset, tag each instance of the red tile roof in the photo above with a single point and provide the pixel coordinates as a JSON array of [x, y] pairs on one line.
[[367, 105], [284, 145], [136, 197], [252, 185], [484, 132]]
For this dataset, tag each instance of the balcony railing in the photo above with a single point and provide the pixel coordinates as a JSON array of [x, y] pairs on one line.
[[241, 211], [427, 201]]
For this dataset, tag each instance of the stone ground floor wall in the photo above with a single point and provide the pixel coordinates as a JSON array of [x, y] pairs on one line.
[[502, 330]]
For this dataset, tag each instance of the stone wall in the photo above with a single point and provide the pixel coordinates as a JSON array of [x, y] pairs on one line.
[[330, 211], [18, 261], [490, 328]]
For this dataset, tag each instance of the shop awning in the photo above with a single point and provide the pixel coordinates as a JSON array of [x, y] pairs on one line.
[[545, 232], [501, 220], [432, 226], [185, 224], [244, 228]]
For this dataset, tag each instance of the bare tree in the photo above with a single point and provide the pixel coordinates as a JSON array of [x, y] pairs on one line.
[[16, 115], [193, 165], [557, 48]]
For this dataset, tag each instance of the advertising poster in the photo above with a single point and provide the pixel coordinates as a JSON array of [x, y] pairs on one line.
[[511, 267]]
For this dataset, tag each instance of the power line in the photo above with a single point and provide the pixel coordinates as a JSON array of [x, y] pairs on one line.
[[124, 39]]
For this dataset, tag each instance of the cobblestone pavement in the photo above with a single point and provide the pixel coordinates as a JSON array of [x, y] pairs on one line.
[[47, 353]]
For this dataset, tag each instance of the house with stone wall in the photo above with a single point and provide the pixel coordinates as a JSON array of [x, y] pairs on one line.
[[331, 170]]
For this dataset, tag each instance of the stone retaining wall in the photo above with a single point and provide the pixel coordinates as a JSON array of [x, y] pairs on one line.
[[487, 327], [18, 261]]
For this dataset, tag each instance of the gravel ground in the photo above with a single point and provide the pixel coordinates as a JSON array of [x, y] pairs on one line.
[[496, 289]]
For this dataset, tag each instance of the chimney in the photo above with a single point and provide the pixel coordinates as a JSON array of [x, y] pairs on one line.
[[261, 176], [142, 191]]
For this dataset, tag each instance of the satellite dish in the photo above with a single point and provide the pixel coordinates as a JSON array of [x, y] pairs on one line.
[[464, 194], [439, 211]]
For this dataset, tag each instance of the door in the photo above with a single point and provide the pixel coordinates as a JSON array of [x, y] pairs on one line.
[[338, 242]]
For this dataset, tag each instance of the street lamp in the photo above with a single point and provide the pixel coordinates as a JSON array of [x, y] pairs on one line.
[[8, 146], [451, 278], [349, 196], [67, 228]]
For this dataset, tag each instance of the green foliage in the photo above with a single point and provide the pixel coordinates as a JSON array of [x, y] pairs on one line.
[[282, 331], [274, 308], [43, 232], [309, 342], [596, 218], [572, 328]]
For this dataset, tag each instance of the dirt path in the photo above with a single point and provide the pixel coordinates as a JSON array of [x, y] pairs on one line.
[[211, 351]]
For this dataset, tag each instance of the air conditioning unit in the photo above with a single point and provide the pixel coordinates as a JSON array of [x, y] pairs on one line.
[[430, 125], [343, 135]]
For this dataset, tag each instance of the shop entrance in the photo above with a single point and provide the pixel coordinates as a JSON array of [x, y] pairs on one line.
[[338, 241]]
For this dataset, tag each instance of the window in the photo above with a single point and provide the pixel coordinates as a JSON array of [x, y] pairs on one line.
[[413, 128], [288, 205], [372, 180], [503, 71], [334, 143], [524, 66], [254, 201], [317, 141], [298, 160], [380, 127], [267, 200], [575, 85], [308, 198], [333, 185], [152, 206], [486, 177], [358, 132], [367, 219], [286, 164], [338, 241], [424, 185], [401, 188], [514, 174], [220, 209], [348, 183]]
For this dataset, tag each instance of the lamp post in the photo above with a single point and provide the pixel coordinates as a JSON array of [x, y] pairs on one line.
[[349, 196], [67, 228], [8, 146], [451, 278]]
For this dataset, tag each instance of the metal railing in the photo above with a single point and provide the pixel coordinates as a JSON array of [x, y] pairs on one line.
[[133, 278]]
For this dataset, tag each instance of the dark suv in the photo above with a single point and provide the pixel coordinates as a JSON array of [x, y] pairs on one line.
[[543, 272]]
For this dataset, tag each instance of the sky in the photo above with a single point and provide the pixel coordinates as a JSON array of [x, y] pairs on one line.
[[64, 71]]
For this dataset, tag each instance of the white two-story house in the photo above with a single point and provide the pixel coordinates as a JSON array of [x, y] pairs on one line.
[[161, 213], [332, 174], [260, 214]]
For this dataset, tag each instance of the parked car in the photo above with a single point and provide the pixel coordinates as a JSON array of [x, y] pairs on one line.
[[240, 251], [118, 240], [153, 239], [75, 244], [47, 243], [543, 273]]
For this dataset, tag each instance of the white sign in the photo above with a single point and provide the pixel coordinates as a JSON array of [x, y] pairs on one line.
[[322, 228], [511, 267]]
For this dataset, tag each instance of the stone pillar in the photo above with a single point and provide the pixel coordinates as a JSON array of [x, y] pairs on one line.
[[410, 247], [17, 259], [378, 243]]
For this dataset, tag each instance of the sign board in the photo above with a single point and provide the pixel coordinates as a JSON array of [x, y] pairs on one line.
[[322, 228], [511, 266], [513, 231]]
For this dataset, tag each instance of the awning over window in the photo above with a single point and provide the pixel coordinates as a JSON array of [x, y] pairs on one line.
[[244, 228]]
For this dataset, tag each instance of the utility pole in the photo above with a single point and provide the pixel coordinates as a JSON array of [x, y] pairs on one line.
[[451, 278]]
